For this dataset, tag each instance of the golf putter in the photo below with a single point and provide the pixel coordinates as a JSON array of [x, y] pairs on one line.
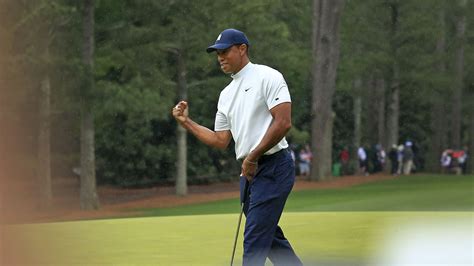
[[246, 190]]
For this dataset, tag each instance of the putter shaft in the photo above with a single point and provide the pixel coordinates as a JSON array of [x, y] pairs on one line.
[[246, 188]]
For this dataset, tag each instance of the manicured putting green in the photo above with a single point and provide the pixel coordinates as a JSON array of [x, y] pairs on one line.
[[329, 237], [347, 226]]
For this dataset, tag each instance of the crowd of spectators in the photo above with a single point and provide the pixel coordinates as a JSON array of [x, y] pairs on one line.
[[401, 159], [454, 161]]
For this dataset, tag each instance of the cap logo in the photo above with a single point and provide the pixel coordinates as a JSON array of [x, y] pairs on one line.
[[219, 37]]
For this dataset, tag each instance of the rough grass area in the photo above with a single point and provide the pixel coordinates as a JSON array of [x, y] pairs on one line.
[[406, 193]]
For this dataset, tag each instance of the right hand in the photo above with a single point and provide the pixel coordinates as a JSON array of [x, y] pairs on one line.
[[249, 169], [180, 111]]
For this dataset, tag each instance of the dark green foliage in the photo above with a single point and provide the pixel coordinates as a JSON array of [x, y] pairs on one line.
[[129, 150], [136, 74], [369, 48], [135, 66], [137, 43]]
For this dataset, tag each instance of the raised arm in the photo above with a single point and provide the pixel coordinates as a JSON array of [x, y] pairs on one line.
[[216, 139]]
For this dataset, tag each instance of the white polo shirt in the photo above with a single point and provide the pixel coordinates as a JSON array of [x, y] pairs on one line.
[[244, 107]]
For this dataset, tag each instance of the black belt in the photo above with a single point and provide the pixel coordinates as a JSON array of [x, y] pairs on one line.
[[266, 158]]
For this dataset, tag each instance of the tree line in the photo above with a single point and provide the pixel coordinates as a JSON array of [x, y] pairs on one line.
[[90, 84]]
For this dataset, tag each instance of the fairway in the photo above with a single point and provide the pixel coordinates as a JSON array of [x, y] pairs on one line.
[[404, 193], [326, 227]]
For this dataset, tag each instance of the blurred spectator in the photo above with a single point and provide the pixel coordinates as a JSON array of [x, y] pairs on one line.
[[380, 158], [407, 158], [400, 158], [417, 159], [454, 161], [446, 161], [372, 159], [458, 160], [305, 160], [463, 161], [344, 158], [393, 157], [363, 161]]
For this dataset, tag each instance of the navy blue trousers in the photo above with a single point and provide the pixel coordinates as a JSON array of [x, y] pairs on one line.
[[268, 191]]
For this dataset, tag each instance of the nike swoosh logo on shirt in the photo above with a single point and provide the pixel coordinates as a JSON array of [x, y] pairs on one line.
[[247, 89]]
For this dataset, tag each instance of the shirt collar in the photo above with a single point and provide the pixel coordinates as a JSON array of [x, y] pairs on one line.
[[242, 72]]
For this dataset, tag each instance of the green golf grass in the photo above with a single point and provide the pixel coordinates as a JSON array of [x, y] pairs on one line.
[[339, 226], [405, 193], [350, 237]]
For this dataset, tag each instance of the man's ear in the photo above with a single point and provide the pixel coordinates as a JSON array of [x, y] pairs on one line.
[[243, 49]]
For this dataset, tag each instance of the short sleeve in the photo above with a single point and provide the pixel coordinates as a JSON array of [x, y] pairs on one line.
[[277, 91], [221, 122]]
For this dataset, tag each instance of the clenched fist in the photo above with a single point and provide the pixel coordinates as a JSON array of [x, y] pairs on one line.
[[180, 111]]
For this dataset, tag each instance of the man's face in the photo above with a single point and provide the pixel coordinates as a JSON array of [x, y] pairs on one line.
[[231, 59]]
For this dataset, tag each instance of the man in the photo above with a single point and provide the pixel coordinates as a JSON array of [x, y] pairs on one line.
[[344, 157], [363, 161], [393, 156], [305, 160], [254, 110], [408, 156]]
